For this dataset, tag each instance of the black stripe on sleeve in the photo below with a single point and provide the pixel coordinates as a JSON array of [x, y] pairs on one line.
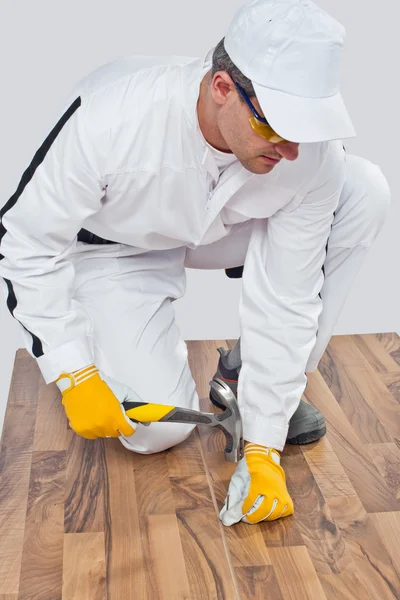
[[37, 349]]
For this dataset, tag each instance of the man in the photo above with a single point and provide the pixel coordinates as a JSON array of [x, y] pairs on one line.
[[158, 164]]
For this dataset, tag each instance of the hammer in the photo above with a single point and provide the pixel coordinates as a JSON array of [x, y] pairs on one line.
[[229, 421]]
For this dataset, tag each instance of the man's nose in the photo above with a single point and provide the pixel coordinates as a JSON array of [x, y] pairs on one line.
[[290, 150]]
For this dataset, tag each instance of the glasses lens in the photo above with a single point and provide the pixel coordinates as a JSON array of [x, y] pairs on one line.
[[266, 131]]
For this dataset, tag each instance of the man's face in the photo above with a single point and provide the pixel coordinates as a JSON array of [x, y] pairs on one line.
[[232, 118]]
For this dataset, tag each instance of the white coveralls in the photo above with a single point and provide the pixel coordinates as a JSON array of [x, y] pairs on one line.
[[127, 162]]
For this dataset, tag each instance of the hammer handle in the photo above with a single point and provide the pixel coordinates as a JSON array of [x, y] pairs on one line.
[[146, 412]]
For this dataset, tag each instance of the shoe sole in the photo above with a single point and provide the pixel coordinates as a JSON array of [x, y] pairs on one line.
[[307, 437], [303, 438]]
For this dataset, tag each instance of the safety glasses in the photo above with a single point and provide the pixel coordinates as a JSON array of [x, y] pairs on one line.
[[260, 124]]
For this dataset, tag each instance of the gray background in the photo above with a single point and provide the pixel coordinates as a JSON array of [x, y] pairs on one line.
[[47, 46]]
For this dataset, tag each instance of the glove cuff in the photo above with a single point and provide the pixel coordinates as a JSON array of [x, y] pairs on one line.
[[251, 448], [67, 381]]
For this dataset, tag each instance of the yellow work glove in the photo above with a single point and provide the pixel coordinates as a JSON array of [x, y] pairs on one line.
[[257, 491], [92, 402]]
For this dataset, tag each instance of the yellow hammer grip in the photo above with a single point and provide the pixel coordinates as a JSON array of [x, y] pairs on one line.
[[146, 412]]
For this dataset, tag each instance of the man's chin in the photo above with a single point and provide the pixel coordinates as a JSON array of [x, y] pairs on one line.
[[256, 166]]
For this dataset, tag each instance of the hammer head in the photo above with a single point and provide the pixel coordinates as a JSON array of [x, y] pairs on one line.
[[230, 420]]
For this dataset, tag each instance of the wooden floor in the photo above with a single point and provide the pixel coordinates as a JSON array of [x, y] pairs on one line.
[[89, 520]]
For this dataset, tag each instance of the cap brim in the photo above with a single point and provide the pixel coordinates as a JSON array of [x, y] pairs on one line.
[[304, 120]]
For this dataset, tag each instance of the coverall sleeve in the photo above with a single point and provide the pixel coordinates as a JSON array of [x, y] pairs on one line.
[[38, 227], [280, 304]]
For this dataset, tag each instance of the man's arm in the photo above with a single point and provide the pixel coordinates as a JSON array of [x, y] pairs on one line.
[[38, 225], [280, 305]]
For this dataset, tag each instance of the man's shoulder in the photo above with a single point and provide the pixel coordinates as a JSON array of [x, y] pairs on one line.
[[119, 96], [313, 158], [317, 163], [322, 160], [333, 161], [319, 153], [139, 71]]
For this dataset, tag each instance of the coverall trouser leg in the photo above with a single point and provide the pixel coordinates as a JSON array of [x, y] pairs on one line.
[[129, 296]]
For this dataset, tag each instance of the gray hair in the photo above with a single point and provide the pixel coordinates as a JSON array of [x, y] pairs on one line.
[[222, 62]]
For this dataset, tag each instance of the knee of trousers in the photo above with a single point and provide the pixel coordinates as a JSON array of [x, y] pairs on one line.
[[367, 177], [365, 201], [160, 436], [157, 437]]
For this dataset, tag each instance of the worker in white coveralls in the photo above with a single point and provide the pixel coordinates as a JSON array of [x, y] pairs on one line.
[[161, 163]]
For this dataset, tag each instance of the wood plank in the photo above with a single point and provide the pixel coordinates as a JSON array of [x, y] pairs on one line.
[[14, 485], [166, 568], [392, 382], [258, 583], [51, 427], [186, 459], [152, 486], [358, 465], [390, 341], [327, 470], [125, 569], [326, 547], [348, 395], [84, 572], [187, 475], [396, 356], [209, 571], [388, 527], [387, 460], [42, 555], [196, 507], [372, 559], [15, 466], [375, 353], [203, 352], [295, 574], [84, 487], [374, 392], [158, 526], [352, 586], [24, 381], [220, 471], [191, 492]]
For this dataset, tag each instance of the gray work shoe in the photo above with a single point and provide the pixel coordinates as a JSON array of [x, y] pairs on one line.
[[307, 423]]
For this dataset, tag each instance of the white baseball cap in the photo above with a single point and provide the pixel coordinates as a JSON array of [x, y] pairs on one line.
[[290, 50]]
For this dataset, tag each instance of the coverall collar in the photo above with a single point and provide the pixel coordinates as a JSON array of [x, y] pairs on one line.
[[235, 175], [193, 74]]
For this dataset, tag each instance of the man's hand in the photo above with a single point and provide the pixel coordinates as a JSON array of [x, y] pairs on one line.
[[92, 402], [257, 491]]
